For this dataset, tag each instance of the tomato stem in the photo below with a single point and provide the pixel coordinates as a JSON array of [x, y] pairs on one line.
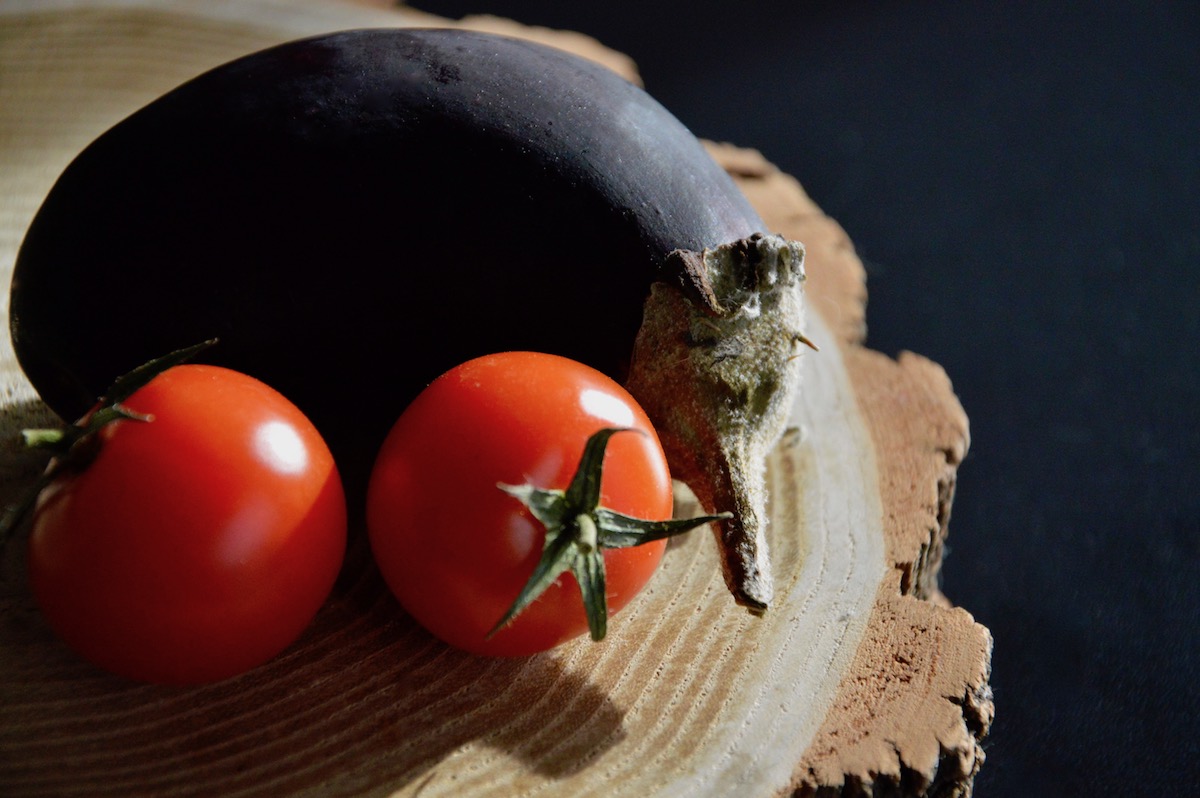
[[43, 438], [588, 537], [578, 530], [67, 444]]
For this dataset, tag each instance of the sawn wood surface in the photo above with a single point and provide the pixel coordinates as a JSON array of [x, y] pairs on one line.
[[862, 679]]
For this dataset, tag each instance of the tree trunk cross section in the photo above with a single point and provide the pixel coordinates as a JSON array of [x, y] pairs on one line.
[[861, 679]]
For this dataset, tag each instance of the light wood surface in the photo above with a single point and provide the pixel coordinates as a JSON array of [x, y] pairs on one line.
[[861, 678]]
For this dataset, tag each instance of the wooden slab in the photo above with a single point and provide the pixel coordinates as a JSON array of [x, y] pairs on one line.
[[861, 679]]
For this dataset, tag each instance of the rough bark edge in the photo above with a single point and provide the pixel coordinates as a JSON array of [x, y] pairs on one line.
[[936, 673], [911, 713]]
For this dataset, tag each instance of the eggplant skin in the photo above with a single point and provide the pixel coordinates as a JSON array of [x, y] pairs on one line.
[[353, 214]]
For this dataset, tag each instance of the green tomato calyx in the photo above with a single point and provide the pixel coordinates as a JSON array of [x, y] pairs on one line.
[[71, 446], [578, 530]]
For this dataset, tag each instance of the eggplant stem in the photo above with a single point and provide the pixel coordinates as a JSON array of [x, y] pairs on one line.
[[716, 368]]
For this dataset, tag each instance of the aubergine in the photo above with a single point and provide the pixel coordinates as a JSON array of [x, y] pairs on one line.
[[353, 214]]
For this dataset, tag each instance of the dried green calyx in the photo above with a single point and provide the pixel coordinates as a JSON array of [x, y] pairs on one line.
[[716, 368], [578, 529]]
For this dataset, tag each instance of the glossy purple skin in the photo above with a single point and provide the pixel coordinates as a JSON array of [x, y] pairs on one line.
[[356, 213]]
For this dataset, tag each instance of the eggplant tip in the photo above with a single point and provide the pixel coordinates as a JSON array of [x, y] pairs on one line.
[[715, 366]]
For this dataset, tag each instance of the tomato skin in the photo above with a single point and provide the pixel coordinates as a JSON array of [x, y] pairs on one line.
[[197, 545], [454, 548]]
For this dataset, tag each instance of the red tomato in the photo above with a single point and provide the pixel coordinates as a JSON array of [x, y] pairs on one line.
[[195, 545], [455, 549]]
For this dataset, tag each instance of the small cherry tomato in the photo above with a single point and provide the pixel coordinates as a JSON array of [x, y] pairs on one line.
[[448, 504], [197, 543]]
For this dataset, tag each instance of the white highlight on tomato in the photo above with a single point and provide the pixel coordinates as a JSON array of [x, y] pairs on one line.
[[280, 447], [607, 407]]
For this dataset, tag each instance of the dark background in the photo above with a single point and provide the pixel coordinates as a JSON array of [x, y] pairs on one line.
[[1022, 181]]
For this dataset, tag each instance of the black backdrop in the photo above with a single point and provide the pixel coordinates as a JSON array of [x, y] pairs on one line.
[[1022, 180]]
